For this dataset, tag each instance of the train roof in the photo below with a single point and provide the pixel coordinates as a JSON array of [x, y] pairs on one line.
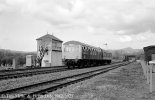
[[149, 47], [80, 43]]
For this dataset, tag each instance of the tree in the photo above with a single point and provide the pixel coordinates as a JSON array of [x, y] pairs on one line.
[[21, 60], [42, 51]]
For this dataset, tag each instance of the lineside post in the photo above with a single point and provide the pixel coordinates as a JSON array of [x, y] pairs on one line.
[[152, 65], [14, 63], [145, 67], [148, 73]]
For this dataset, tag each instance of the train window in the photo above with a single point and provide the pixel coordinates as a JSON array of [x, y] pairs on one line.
[[104, 54], [66, 49], [87, 48], [71, 48], [82, 48]]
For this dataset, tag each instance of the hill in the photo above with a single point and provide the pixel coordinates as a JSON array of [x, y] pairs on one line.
[[6, 56], [120, 53]]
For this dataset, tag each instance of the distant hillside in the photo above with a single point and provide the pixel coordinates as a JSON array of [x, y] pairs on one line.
[[6, 56], [120, 53]]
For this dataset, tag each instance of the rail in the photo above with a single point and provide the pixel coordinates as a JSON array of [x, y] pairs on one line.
[[35, 90], [9, 74]]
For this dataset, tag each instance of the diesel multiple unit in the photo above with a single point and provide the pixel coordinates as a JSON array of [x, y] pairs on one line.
[[79, 54]]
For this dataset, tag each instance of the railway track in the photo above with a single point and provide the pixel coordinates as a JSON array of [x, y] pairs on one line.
[[33, 91], [30, 72], [17, 73], [35, 68]]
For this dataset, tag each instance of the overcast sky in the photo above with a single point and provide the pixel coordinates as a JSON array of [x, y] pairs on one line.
[[119, 23]]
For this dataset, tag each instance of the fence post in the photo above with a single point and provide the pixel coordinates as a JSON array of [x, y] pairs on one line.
[[148, 73], [14, 63]]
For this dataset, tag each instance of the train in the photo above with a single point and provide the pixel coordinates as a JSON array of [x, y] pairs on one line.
[[78, 54]]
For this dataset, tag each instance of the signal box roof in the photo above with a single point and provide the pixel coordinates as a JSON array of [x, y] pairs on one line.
[[49, 36]]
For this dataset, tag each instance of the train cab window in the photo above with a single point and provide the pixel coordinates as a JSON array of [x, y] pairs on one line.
[[69, 49], [66, 49], [104, 54], [72, 48]]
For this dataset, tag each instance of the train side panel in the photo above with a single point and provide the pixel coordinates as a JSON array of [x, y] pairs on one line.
[[107, 57], [91, 56]]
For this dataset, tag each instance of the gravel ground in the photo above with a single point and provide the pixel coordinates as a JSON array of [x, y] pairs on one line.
[[125, 83], [19, 82]]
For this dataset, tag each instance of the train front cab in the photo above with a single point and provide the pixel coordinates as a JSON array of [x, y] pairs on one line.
[[71, 55]]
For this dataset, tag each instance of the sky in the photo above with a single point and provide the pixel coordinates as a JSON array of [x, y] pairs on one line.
[[119, 23]]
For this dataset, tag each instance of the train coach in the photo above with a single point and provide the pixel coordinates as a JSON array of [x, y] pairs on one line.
[[77, 54]]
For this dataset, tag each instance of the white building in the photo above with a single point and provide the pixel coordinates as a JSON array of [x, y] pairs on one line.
[[53, 57]]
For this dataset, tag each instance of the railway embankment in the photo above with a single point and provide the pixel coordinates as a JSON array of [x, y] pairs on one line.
[[125, 83]]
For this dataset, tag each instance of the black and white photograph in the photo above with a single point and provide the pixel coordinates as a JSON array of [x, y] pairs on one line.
[[77, 50]]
